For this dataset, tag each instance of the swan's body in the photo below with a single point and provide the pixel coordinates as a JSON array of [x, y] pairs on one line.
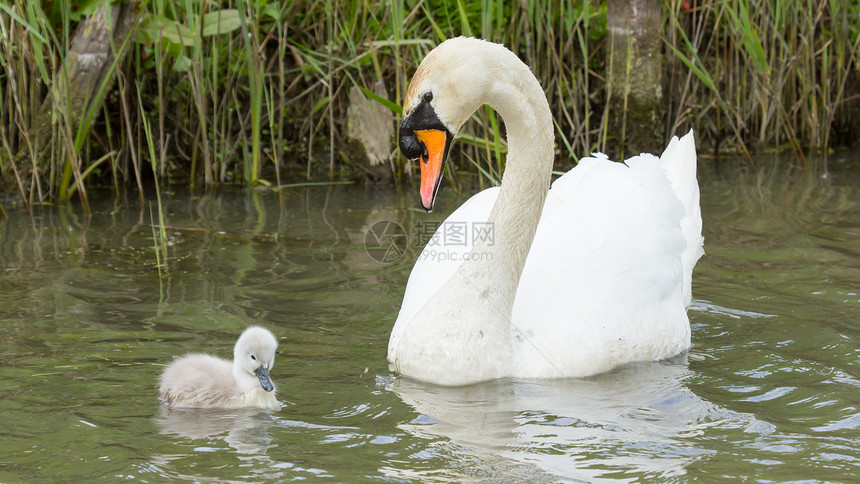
[[205, 381], [573, 281]]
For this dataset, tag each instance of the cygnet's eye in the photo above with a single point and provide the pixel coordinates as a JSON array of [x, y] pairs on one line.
[[428, 96], [253, 357]]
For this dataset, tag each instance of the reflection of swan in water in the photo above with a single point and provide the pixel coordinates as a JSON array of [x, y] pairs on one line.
[[635, 419], [245, 430]]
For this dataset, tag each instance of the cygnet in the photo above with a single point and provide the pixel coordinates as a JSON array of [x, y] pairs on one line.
[[205, 381]]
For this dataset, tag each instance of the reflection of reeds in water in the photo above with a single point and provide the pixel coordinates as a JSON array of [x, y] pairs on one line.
[[783, 239], [785, 197]]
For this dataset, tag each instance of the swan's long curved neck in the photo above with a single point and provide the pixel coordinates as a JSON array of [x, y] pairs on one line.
[[462, 334], [519, 99]]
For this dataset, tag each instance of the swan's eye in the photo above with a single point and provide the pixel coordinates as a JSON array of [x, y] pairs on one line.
[[253, 357], [428, 96]]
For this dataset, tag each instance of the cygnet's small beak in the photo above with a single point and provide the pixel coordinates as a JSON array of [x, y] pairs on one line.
[[266, 382]]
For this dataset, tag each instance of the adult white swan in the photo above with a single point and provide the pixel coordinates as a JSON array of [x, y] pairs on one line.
[[562, 282]]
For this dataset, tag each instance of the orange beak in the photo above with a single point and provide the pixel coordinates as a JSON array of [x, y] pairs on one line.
[[434, 141]]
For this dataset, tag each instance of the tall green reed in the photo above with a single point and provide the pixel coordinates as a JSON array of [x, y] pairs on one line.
[[159, 236], [764, 74], [48, 117], [253, 90]]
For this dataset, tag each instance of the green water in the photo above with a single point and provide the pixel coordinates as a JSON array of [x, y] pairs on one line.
[[769, 392]]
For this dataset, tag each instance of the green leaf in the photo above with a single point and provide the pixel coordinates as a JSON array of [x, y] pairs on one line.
[[699, 73], [85, 8], [393, 106], [176, 32], [182, 64], [271, 10], [221, 22], [478, 141], [694, 63], [320, 104], [32, 31], [749, 36], [464, 19]]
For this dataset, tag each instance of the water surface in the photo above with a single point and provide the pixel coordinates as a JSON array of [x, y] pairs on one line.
[[770, 390]]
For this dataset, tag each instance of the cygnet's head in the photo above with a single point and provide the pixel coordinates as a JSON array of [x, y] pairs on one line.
[[254, 356]]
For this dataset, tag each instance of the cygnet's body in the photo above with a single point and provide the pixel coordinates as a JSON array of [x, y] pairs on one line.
[[204, 381]]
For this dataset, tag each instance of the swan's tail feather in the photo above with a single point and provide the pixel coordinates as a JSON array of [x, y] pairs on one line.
[[679, 163]]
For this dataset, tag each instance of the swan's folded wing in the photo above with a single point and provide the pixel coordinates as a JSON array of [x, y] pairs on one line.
[[198, 380], [604, 272]]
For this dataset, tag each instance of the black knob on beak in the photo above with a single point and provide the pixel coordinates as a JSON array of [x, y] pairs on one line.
[[409, 144], [422, 117]]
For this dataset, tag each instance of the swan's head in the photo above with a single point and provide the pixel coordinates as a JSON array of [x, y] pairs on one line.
[[449, 85], [254, 356]]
